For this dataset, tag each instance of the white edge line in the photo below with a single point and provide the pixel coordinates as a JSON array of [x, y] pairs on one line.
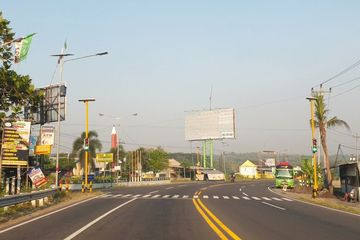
[[96, 220], [272, 205], [316, 205], [245, 194], [48, 214], [153, 192]]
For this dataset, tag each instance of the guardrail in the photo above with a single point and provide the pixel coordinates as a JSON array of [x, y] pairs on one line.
[[26, 197]]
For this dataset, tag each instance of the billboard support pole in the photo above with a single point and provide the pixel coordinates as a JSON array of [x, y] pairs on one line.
[[211, 153], [204, 154]]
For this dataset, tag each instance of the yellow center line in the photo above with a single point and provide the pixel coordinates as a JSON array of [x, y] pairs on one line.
[[209, 222], [222, 225]]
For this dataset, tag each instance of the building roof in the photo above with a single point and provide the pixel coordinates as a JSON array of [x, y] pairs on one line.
[[248, 163], [174, 164]]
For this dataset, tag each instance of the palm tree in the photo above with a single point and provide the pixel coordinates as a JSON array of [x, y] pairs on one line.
[[94, 144], [322, 122]]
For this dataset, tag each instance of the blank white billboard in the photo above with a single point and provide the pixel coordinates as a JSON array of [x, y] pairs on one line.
[[210, 124]]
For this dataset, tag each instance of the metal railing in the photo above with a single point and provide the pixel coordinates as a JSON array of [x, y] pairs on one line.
[[26, 197]]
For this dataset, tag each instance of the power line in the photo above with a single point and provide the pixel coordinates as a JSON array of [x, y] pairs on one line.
[[342, 93], [357, 63], [341, 84]]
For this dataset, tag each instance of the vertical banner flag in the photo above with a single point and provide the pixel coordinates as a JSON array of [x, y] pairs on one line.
[[22, 47]]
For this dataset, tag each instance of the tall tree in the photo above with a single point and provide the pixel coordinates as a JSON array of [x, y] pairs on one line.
[[157, 160], [16, 91], [94, 145], [322, 122]]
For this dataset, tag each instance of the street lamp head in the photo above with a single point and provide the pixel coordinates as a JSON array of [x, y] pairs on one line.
[[101, 53], [311, 98], [87, 100]]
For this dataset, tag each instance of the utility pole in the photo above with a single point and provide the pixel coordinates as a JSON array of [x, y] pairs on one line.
[[86, 101], [356, 147], [314, 148]]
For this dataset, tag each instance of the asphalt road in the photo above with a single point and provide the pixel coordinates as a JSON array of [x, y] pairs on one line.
[[242, 210]]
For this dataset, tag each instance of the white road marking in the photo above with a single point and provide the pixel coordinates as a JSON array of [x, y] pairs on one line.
[[246, 198], [286, 199], [196, 196], [127, 195], [175, 196], [48, 214], [225, 197], [117, 195], [274, 206], [216, 197], [182, 185], [166, 196], [277, 199], [266, 198], [145, 196], [255, 198], [153, 192], [205, 196], [156, 196], [185, 196], [107, 195], [137, 195], [235, 197], [96, 220], [169, 188], [240, 189], [245, 194]]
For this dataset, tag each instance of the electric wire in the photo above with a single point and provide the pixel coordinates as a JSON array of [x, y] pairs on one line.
[[357, 63]]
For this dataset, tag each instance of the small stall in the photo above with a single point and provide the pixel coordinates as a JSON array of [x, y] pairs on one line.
[[350, 182]]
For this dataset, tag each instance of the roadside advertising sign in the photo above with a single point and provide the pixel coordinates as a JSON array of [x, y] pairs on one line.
[[33, 140], [43, 149], [16, 142], [47, 135], [104, 157], [37, 177]]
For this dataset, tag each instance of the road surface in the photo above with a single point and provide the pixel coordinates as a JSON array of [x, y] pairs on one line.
[[241, 210]]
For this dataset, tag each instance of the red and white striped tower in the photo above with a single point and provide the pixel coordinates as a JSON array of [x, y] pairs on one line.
[[113, 137]]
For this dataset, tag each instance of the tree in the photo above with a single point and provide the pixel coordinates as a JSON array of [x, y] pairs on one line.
[[118, 153], [158, 160], [16, 91], [94, 144], [322, 122]]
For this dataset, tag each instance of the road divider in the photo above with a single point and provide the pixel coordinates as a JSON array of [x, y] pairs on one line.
[[212, 220]]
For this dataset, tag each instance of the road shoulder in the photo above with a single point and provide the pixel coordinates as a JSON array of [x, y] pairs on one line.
[[324, 202]]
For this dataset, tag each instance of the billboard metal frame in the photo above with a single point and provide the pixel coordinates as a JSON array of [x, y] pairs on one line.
[[48, 109]]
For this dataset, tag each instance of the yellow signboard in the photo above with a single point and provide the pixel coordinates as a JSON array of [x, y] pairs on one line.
[[42, 149], [104, 157], [14, 162]]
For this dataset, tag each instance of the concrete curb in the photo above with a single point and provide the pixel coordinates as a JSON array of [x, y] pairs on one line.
[[316, 205]]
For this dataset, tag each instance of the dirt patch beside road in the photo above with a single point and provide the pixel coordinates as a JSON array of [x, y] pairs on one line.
[[324, 199]]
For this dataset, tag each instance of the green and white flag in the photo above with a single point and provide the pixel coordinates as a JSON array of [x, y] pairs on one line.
[[22, 47]]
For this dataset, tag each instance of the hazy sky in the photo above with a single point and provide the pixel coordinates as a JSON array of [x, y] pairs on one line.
[[260, 57]]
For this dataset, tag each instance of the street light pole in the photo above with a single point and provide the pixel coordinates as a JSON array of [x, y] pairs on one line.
[[315, 186], [61, 61], [86, 101]]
